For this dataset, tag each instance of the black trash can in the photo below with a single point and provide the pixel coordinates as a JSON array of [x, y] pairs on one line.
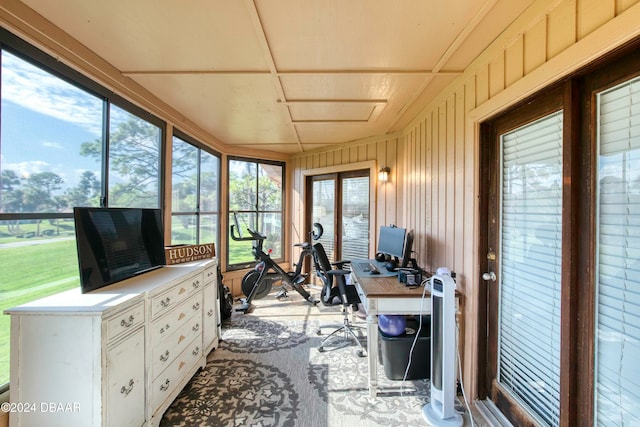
[[395, 351]]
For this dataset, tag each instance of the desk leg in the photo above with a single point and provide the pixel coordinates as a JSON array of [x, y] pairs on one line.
[[372, 353]]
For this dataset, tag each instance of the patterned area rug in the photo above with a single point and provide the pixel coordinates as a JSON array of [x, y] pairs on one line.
[[268, 373]]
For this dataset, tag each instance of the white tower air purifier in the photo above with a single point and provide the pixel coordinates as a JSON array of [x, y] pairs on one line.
[[440, 411]]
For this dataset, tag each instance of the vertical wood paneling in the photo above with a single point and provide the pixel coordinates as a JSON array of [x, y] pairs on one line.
[[622, 5], [337, 157], [346, 156], [592, 14], [420, 233], [441, 252], [372, 151], [362, 153], [353, 155], [496, 75], [450, 182], [395, 162], [331, 158], [381, 196], [408, 179], [482, 84], [561, 31], [514, 64], [535, 46], [459, 180], [470, 177], [435, 203], [425, 256]]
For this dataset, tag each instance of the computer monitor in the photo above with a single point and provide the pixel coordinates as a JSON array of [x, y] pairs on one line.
[[391, 241], [408, 249]]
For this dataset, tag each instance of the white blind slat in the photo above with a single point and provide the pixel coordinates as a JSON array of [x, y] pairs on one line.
[[617, 340], [530, 266]]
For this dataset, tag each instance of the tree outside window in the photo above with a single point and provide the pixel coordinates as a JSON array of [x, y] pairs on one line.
[[54, 153], [195, 203], [256, 200]]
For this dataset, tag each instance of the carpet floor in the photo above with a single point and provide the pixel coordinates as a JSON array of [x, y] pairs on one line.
[[267, 371]]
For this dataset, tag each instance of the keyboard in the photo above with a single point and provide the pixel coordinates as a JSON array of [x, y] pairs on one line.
[[367, 267]]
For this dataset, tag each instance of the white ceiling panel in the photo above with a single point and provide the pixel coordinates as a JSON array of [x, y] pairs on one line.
[[364, 34], [288, 75], [233, 107], [161, 35], [333, 111]]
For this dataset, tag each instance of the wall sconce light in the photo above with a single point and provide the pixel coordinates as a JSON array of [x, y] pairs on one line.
[[383, 174]]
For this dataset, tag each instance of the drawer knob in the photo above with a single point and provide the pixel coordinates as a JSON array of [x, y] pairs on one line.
[[196, 306], [165, 302], [196, 284], [126, 390], [165, 386], [162, 330], [210, 313], [164, 357], [196, 351], [126, 323], [196, 327]]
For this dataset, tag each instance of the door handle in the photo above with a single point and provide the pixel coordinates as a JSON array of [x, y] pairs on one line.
[[490, 276]]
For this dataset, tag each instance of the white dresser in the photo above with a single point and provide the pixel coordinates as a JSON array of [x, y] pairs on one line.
[[117, 356]]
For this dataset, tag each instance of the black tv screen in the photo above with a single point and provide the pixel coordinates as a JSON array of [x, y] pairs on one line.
[[115, 244]]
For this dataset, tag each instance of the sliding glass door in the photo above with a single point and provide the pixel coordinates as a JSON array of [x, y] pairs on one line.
[[340, 202], [617, 334]]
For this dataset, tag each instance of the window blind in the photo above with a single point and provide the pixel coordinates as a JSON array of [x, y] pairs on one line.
[[530, 266], [617, 340]]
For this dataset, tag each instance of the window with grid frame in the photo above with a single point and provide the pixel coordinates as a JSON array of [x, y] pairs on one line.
[[256, 202], [195, 195], [64, 142]]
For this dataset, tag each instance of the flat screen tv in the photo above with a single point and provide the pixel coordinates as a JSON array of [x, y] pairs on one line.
[[115, 244]]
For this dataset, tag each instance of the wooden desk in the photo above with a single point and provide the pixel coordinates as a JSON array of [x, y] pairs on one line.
[[385, 295]]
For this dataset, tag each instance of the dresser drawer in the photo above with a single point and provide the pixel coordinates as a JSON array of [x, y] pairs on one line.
[[163, 302], [173, 320], [210, 274], [163, 386], [126, 320], [165, 352], [125, 382]]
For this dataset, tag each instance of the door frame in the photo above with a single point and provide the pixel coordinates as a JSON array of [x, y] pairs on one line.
[[562, 96], [371, 165], [578, 229]]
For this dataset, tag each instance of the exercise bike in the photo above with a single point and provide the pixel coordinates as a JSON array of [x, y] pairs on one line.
[[257, 283]]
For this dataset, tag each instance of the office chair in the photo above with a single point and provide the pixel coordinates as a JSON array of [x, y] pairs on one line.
[[342, 293]]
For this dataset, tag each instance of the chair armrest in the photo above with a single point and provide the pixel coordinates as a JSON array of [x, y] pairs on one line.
[[338, 272], [340, 264]]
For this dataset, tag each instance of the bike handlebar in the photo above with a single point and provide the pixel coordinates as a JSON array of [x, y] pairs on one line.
[[254, 235]]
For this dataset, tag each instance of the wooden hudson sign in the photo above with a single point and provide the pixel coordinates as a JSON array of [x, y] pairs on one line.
[[186, 253]]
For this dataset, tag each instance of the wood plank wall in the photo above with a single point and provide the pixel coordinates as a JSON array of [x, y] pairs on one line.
[[434, 163]]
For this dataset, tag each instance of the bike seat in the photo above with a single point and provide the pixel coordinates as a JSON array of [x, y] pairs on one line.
[[304, 245]]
